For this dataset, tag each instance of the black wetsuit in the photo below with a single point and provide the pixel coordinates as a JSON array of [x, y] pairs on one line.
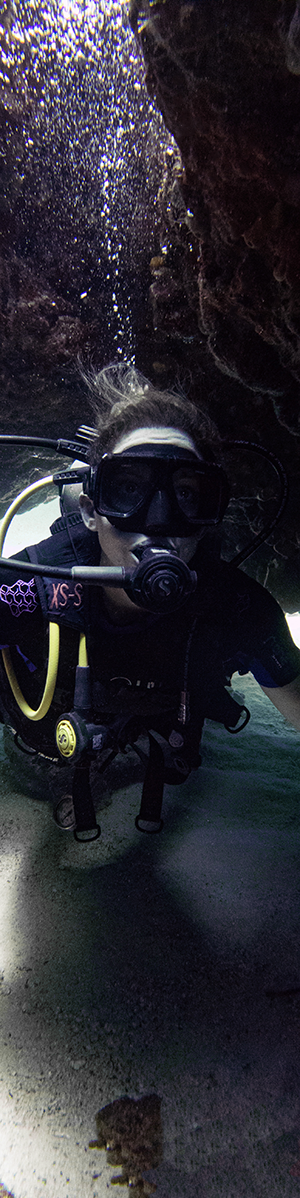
[[229, 624]]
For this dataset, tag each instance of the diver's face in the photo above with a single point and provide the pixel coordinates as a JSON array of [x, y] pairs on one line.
[[118, 546]]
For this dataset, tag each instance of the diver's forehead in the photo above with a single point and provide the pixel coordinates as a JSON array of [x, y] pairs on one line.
[[155, 435]]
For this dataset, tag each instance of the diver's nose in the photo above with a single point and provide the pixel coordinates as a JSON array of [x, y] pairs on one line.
[[159, 512]]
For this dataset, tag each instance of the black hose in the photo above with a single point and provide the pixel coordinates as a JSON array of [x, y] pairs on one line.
[[98, 575], [283, 497], [61, 445]]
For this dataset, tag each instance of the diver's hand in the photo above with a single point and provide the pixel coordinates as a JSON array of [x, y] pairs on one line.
[[287, 700]]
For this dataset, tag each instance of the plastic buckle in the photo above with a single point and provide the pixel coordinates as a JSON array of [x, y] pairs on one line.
[[27, 749], [240, 727]]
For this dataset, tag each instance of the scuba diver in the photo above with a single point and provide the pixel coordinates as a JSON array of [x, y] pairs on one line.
[[168, 623]]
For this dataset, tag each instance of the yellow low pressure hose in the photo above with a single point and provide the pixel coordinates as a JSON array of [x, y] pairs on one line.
[[82, 655], [14, 507], [50, 683], [53, 659]]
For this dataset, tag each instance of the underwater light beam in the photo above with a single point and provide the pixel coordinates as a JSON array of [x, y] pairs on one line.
[[293, 621], [9, 932]]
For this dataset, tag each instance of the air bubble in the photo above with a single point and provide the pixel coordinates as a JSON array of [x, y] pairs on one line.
[[98, 156]]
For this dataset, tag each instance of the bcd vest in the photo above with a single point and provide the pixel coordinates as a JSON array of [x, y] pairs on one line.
[[143, 708]]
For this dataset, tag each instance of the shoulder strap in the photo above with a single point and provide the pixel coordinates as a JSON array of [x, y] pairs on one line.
[[69, 544]]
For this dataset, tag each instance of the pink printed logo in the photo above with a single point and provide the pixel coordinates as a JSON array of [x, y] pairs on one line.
[[62, 594]]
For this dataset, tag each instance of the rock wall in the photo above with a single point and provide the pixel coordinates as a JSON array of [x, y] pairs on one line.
[[225, 77]]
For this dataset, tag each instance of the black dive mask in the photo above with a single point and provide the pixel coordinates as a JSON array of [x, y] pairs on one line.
[[162, 489]]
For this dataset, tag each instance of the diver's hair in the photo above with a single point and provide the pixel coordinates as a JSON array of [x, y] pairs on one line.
[[122, 399]]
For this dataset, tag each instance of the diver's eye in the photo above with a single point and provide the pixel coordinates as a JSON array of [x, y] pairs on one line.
[[129, 487], [186, 487], [184, 490], [124, 490], [126, 487]]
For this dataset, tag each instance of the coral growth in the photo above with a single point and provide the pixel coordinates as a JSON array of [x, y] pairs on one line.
[[130, 1130]]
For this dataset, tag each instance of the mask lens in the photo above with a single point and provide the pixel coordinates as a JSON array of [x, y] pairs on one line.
[[197, 494], [124, 486]]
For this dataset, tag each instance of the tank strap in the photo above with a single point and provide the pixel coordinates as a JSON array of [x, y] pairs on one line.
[[149, 817]]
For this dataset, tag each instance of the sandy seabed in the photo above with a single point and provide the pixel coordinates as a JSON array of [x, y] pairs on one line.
[[165, 965]]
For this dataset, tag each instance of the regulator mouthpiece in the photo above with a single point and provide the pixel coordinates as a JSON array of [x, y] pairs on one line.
[[161, 581]]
